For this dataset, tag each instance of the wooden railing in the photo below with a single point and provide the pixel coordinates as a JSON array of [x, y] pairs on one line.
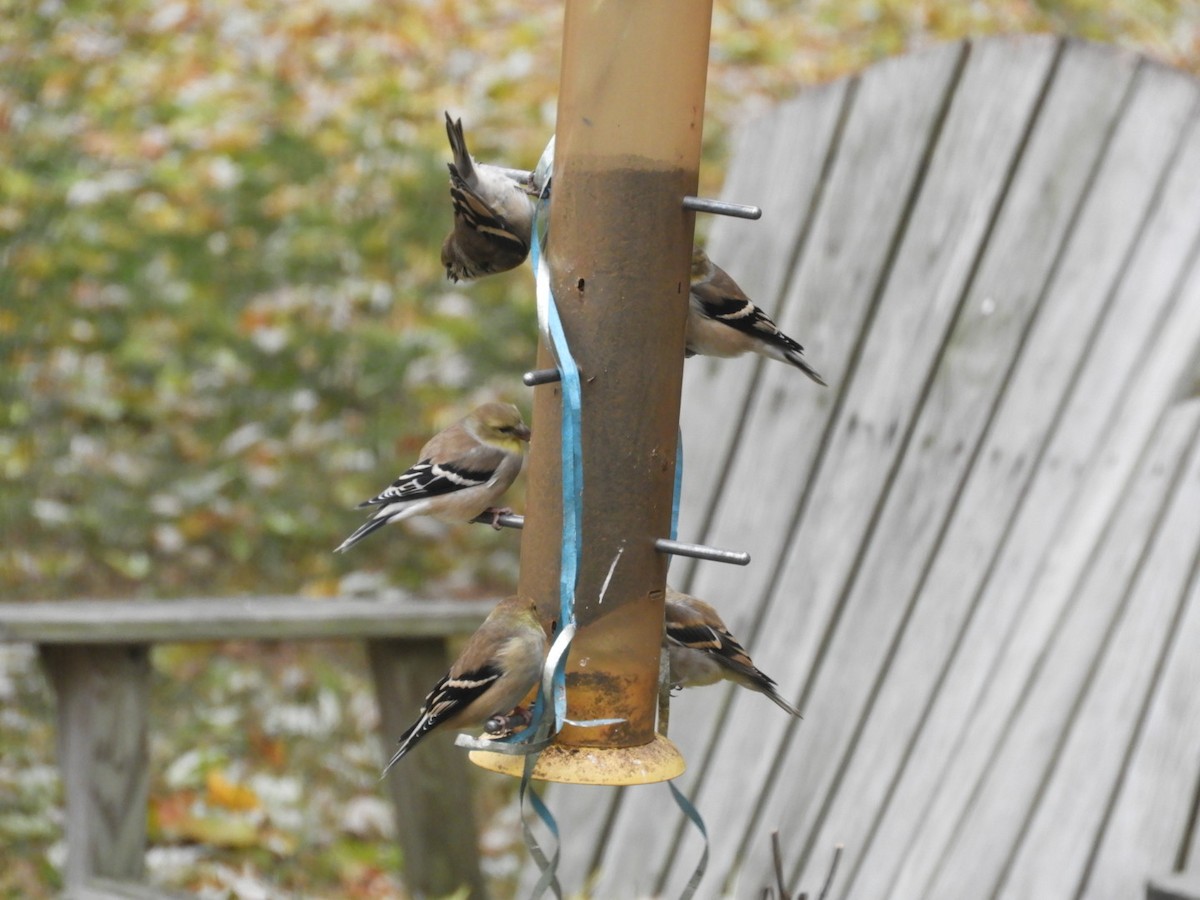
[[96, 654]]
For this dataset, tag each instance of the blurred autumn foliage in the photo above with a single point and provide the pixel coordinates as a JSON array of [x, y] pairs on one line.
[[223, 321], [222, 317]]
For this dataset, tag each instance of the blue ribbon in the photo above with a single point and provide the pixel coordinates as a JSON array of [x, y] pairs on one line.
[[547, 866], [694, 814], [554, 676], [571, 442]]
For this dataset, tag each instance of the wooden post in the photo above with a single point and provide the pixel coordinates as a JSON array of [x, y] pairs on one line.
[[435, 815], [103, 696]]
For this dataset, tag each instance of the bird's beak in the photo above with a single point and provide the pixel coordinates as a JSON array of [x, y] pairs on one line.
[[522, 432]]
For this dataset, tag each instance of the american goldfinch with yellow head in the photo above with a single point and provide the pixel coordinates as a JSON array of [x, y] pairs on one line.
[[501, 663], [461, 473]]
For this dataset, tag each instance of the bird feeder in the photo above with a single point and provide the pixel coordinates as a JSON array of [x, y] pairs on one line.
[[630, 113]]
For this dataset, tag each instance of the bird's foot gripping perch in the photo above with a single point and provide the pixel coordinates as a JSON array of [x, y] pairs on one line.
[[495, 512], [517, 720]]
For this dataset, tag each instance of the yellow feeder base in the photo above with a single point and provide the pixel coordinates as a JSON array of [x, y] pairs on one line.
[[659, 760]]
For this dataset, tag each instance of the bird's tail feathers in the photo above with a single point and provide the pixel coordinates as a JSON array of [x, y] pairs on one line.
[[758, 680], [458, 146], [408, 740], [796, 358], [371, 525], [781, 703]]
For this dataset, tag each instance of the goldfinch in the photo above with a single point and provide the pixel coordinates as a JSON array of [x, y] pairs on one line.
[[493, 215], [702, 651], [723, 321], [461, 473], [501, 663]]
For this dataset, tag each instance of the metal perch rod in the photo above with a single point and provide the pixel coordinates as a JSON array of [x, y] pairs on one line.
[[701, 551], [694, 204], [722, 208], [541, 376], [662, 545]]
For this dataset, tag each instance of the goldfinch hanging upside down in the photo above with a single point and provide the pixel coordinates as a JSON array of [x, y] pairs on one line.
[[723, 321], [461, 473], [501, 663], [493, 215], [701, 650]]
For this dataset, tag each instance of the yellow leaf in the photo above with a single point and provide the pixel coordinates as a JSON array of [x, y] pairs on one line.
[[229, 794]]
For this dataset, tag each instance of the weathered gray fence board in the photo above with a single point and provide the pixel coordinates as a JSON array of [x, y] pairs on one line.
[[1001, 795], [103, 694], [934, 263], [929, 789], [1007, 461], [839, 280], [1149, 817], [1021, 254], [1054, 846], [1019, 609], [1153, 348], [225, 618], [975, 155], [994, 316], [1064, 150]]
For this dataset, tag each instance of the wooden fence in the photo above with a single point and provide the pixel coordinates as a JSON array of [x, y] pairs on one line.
[[975, 555]]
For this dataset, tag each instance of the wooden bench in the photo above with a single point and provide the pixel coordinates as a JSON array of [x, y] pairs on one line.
[[975, 554], [97, 656]]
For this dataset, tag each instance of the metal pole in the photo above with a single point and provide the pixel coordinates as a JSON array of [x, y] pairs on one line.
[[630, 113]]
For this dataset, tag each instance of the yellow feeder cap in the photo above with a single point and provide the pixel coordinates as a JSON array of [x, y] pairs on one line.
[[659, 760]]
